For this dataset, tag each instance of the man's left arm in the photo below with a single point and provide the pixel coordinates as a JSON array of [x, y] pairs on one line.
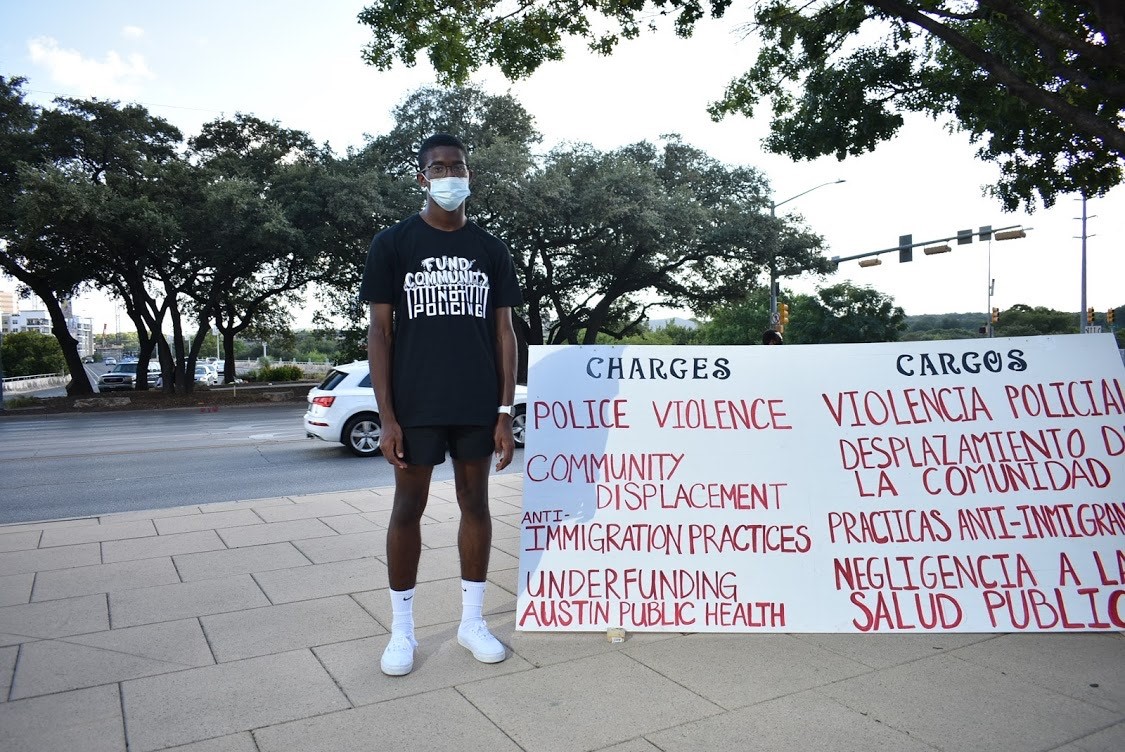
[[506, 360]]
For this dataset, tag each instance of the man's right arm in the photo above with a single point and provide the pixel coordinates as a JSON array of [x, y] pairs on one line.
[[380, 352]]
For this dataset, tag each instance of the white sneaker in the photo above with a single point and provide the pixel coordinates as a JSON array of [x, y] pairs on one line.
[[475, 637], [398, 658]]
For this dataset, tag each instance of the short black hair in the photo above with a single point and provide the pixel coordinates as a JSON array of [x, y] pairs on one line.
[[436, 140], [769, 336]]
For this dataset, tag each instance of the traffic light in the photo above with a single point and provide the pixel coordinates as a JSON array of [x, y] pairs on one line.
[[1110, 315], [995, 315], [783, 313], [1090, 315]]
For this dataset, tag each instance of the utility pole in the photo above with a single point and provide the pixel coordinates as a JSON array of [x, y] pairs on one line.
[[1082, 323]]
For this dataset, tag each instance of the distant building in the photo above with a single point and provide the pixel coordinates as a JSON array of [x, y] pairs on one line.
[[8, 302], [80, 327]]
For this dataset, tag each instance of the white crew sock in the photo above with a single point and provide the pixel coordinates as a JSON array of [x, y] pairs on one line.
[[472, 601], [402, 611]]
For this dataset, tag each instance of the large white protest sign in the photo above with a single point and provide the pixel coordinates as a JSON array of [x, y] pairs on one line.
[[971, 485]]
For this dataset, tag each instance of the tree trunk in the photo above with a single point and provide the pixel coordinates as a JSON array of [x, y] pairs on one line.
[[79, 380]]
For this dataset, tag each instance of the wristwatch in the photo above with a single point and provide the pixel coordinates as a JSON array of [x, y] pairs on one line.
[[504, 410]]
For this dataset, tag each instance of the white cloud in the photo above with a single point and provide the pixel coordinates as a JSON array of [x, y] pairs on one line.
[[115, 76], [132, 32]]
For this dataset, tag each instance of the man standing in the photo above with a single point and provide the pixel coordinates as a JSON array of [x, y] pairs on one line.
[[442, 353]]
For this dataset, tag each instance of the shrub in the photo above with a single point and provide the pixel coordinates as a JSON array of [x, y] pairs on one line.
[[16, 403], [279, 373]]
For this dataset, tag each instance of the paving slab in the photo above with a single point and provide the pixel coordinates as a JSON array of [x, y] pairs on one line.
[[103, 578], [509, 546], [160, 545], [243, 742], [717, 666], [322, 580], [373, 502], [555, 709], [305, 510], [345, 524], [440, 534], [20, 541], [88, 660], [213, 520], [960, 706], [203, 703], [451, 722], [439, 510], [441, 563], [345, 496], [16, 588], [150, 514], [439, 662], [633, 745], [507, 578], [548, 648], [274, 532], [46, 559], [502, 530], [343, 547], [231, 561], [67, 536], [1087, 667], [130, 608], [61, 618], [885, 650], [48, 524], [277, 629], [86, 719], [1111, 739], [234, 506], [805, 721], [7, 669]]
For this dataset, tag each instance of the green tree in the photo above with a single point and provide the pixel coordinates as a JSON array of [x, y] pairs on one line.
[[739, 323], [845, 312], [1023, 320], [63, 229], [1039, 83], [31, 354], [602, 237], [276, 215]]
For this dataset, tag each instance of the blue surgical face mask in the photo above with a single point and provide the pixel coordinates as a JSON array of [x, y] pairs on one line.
[[449, 193]]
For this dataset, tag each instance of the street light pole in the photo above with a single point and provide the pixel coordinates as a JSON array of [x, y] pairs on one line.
[[773, 255]]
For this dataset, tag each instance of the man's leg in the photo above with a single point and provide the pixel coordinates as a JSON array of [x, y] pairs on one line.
[[474, 536], [474, 542], [404, 547], [404, 534]]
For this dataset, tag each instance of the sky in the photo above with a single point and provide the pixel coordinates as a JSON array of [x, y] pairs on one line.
[[300, 64]]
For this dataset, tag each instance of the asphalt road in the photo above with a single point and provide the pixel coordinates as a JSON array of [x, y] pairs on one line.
[[55, 466]]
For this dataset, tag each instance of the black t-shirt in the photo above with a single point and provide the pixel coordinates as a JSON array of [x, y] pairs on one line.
[[445, 288]]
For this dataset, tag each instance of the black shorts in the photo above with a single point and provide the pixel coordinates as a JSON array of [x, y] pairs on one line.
[[427, 445]]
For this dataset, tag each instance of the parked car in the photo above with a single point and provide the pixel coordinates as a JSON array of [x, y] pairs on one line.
[[343, 409], [206, 375], [124, 375]]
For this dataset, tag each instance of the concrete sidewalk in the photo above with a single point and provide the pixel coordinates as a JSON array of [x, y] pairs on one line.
[[257, 626]]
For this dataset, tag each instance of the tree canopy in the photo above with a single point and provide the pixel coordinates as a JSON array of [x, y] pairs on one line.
[[1038, 84]]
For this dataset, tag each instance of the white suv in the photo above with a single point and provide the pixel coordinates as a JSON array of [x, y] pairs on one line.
[[343, 409]]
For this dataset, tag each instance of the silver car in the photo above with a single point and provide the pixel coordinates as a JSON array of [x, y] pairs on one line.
[[124, 375]]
